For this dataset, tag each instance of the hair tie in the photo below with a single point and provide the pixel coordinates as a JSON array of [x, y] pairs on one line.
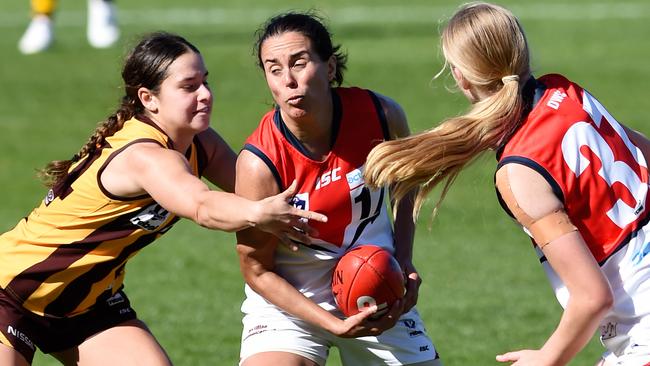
[[508, 78]]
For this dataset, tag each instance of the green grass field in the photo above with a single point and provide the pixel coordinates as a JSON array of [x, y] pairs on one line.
[[483, 292]]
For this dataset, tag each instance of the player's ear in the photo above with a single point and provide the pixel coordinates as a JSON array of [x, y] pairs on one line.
[[460, 79], [331, 68], [148, 100]]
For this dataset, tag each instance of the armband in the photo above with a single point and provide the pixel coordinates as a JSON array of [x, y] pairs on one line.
[[551, 227], [543, 230]]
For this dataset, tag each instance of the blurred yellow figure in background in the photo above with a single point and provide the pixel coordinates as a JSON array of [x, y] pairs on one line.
[[102, 30]]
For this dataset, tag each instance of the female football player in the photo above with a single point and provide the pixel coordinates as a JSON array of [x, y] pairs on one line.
[[62, 267], [573, 176], [319, 134]]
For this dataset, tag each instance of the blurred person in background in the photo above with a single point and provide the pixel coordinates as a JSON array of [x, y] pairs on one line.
[[101, 29], [573, 176]]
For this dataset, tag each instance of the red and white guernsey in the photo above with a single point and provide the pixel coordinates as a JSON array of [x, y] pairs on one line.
[[602, 179], [586, 156], [333, 186]]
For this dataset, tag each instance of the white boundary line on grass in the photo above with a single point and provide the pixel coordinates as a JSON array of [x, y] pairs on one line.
[[381, 14]]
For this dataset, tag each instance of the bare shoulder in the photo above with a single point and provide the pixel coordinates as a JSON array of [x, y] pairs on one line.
[[142, 152], [255, 181], [134, 158], [125, 172], [254, 178], [527, 189], [395, 116]]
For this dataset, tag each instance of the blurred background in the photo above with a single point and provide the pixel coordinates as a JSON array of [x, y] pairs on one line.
[[483, 292]]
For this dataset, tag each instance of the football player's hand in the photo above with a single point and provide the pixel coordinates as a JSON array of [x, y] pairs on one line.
[[365, 323], [276, 216], [524, 357]]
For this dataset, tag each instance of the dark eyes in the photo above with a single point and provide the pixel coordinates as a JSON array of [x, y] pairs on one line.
[[298, 64], [194, 86]]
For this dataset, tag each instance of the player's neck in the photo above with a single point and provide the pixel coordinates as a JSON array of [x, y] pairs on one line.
[[314, 131]]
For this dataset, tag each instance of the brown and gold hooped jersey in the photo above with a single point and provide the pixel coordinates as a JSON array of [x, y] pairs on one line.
[[71, 251]]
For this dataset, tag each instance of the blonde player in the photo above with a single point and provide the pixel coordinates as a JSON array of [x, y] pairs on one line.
[[573, 176], [101, 29]]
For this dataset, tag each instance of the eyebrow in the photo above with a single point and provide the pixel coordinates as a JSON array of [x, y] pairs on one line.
[[291, 56], [192, 77]]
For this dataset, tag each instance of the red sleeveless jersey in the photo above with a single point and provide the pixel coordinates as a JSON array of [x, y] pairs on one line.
[[589, 161], [334, 186]]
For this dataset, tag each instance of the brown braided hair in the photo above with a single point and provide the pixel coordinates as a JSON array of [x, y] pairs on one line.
[[144, 67]]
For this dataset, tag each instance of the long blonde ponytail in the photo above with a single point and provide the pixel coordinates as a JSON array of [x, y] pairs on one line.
[[486, 44]]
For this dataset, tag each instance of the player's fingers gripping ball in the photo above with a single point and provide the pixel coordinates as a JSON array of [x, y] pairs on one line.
[[364, 276]]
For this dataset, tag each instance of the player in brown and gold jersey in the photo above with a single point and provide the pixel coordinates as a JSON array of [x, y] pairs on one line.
[[62, 267]]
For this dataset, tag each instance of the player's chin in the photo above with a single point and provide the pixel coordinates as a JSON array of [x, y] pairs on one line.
[[295, 111], [201, 121]]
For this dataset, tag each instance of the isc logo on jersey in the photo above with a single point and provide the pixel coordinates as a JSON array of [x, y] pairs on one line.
[[328, 177]]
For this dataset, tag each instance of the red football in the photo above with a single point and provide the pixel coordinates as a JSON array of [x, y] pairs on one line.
[[364, 276]]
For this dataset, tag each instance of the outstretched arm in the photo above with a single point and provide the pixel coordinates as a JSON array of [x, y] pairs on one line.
[[590, 296], [164, 174]]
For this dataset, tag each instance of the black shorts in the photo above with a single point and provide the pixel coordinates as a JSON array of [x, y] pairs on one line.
[[24, 330]]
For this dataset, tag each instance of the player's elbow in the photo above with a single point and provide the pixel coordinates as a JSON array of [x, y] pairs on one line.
[[251, 269], [599, 300], [605, 302], [254, 277]]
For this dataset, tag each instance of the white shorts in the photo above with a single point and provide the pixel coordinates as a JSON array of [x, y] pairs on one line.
[[637, 356], [625, 330], [405, 343], [627, 341]]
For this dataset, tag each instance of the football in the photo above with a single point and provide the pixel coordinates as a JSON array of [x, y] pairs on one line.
[[364, 276]]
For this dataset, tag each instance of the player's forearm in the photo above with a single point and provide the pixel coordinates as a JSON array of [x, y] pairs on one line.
[[283, 295], [577, 325], [404, 228], [225, 211]]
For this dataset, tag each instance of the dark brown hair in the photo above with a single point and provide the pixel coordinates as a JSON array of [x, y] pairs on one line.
[[311, 26], [145, 66]]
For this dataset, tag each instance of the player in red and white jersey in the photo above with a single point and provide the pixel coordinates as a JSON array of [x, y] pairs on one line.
[[571, 174], [601, 178], [319, 136]]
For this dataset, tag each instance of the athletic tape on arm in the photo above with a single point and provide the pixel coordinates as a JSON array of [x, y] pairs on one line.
[[543, 230]]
